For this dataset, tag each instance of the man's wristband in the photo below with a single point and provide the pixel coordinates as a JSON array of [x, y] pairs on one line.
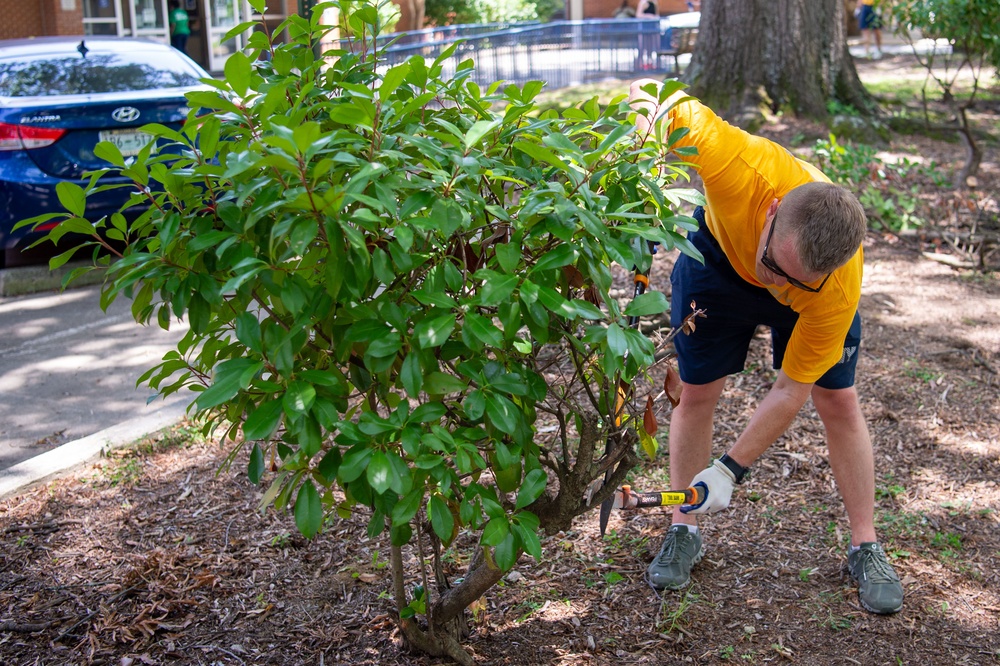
[[738, 470]]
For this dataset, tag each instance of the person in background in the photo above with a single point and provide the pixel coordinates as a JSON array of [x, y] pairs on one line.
[[782, 248], [871, 27], [180, 28], [624, 12], [649, 35]]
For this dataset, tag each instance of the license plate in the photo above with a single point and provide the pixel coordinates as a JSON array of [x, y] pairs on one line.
[[129, 141]]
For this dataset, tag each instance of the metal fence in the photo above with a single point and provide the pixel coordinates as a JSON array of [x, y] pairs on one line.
[[559, 53]]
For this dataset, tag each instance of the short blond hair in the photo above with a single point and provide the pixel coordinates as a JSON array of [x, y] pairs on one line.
[[827, 222]]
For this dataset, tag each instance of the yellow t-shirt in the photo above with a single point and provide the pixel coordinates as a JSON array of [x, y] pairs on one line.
[[742, 174]]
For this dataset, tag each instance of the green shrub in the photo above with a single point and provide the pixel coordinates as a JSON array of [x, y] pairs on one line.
[[394, 278], [880, 187]]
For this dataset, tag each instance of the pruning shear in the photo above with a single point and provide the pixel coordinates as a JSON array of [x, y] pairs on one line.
[[624, 498]]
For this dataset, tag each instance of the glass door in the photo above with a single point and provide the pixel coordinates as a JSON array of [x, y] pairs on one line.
[[102, 17], [149, 19], [222, 16]]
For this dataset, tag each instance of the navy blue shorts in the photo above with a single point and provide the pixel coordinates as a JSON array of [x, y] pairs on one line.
[[734, 309], [868, 18]]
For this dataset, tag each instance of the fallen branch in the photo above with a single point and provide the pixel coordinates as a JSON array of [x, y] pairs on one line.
[[30, 628], [984, 236], [948, 260]]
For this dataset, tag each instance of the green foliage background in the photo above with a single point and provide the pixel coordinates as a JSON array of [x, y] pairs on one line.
[[972, 26], [450, 12]]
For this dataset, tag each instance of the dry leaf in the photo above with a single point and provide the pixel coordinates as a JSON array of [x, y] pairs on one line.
[[672, 385], [649, 418], [620, 402], [573, 276]]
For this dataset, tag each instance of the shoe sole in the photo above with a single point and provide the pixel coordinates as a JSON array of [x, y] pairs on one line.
[[674, 588], [869, 608], [879, 612]]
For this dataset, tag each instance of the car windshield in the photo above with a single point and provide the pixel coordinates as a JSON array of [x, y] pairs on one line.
[[96, 73]]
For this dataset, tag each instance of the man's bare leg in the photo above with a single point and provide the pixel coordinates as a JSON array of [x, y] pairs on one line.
[[851, 457], [690, 448], [879, 587], [691, 429]]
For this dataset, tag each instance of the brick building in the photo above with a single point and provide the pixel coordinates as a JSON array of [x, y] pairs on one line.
[[209, 19], [29, 18], [606, 8]]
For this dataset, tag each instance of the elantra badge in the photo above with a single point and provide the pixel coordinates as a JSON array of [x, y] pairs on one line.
[[125, 114]]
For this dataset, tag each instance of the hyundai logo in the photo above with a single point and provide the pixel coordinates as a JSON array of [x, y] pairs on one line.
[[125, 114]]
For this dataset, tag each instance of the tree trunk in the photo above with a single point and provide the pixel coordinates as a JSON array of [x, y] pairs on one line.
[[412, 18], [785, 54]]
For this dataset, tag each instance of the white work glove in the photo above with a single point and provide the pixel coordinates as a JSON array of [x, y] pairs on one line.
[[717, 482]]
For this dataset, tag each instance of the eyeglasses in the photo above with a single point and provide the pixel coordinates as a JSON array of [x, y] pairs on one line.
[[770, 265]]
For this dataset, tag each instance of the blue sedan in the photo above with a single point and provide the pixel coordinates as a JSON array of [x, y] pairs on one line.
[[60, 97]]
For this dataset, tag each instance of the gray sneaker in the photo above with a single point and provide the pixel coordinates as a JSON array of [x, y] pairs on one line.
[[878, 585], [671, 569]]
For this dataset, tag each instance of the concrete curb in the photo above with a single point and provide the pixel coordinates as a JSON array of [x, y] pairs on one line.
[[76, 454], [24, 280]]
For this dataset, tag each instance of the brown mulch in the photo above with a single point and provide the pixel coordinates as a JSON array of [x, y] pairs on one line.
[[157, 556]]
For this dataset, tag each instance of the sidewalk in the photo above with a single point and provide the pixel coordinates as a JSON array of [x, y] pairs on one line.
[[76, 454], [67, 374], [893, 45]]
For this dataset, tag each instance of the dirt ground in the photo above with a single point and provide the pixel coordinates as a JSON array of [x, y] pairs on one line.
[[154, 556]]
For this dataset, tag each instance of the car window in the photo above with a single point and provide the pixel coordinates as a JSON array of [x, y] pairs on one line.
[[96, 73]]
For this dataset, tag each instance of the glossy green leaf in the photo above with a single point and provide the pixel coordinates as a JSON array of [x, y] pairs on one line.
[[378, 472], [652, 302], [72, 197], [541, 154], [482, 329], [480, 129], [308, 510], [407, 506], [529, 540], [255, 468], [495, 532], [497, 287], [434, 332], [391, 80], [237, 70], [442, 522], [109, 152], [299, 397], [439, 383], [263, 421], [230, 377], [412, 375], [354, 463], [560, 256], [505, 553], [503, 413], [617, 342], [532, 488]]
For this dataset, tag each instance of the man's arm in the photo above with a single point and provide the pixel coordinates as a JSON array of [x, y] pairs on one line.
[[771, 419], [641, 101]]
